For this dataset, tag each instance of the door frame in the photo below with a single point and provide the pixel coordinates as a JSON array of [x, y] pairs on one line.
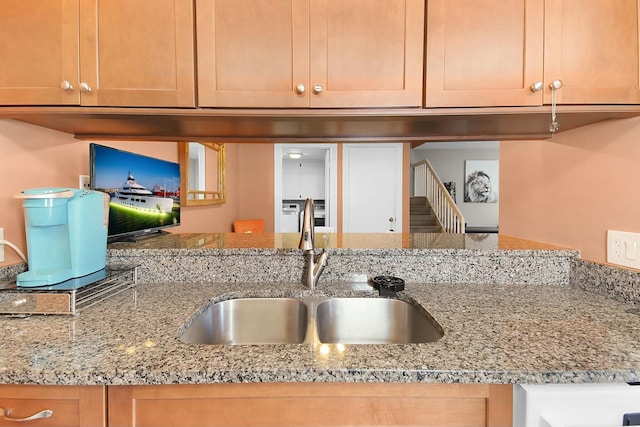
[[331, 179]]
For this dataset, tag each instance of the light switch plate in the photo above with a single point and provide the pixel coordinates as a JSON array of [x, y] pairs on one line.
[[623, 248]]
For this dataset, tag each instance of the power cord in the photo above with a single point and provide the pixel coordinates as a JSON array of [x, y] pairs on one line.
[[15, 248]]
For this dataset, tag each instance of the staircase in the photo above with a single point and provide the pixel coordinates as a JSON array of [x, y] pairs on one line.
[[426, 183], [422, 219]]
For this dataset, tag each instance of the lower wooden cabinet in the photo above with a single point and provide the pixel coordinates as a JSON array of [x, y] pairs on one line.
[[69, 406], [310, 404], [273, 404]]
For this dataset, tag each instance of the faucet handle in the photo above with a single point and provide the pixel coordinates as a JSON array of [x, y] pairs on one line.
[[309, 215], [307, 237]]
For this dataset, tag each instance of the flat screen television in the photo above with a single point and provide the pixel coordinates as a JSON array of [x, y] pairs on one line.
[[144, 192]]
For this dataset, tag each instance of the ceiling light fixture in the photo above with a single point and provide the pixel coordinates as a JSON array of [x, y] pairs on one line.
[[294, 155]]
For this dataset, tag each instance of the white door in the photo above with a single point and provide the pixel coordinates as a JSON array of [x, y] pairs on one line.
[[372, 188]]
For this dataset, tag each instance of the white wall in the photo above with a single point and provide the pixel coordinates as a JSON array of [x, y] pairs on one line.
[[448, 159]]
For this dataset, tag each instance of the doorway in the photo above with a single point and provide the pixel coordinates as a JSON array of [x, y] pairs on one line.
[[301, 171]]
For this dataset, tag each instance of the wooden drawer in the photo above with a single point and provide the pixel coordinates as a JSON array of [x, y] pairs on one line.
[[69, 405]]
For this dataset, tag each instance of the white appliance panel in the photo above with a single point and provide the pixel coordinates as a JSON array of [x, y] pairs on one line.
[[573, 405], [289, 219]]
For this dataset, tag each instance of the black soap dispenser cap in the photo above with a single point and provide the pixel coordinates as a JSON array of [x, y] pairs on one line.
[[388, 286]]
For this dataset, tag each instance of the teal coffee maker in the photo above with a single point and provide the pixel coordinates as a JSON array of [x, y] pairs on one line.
[[66, 234]]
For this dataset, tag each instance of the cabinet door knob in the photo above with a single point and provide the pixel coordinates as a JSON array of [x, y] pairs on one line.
[[66, 85], [537, 86], [555, 85], [84, 87], [317, 89], [300, 88]]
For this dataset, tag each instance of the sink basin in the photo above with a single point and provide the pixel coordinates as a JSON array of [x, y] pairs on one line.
[[373, 321], [250, 321], [312, 320]]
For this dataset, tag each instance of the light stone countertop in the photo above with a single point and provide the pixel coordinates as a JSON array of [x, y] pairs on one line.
[[494, 333], [269, 242], [275, 257]]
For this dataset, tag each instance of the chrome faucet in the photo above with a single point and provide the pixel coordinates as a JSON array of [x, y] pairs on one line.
[[316, 259]]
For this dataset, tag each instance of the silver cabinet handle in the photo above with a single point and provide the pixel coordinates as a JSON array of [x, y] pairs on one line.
[[317, 89], [300, 88], [555, 85], [537, 86], [84, 87], [66, 85], [47, 413]]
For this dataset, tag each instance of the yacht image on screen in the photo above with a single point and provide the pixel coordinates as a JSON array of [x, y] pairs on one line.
[[144, 192], [136, 196]]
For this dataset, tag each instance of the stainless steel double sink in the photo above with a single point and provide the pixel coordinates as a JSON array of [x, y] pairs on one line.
[[303, 320]]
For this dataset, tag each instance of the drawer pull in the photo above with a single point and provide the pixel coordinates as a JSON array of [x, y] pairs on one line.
[[47, 413]]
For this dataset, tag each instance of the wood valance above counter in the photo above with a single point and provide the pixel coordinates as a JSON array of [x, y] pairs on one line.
[[306, 125]]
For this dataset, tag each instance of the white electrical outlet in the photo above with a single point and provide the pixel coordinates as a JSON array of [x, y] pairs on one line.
[[83, 182], [623, 248], [1, 244]]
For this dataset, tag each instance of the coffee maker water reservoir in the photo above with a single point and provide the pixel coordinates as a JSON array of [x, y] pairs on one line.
[[66, 232]]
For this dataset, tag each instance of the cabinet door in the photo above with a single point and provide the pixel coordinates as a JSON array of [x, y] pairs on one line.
[[253, 53], [366, 53], [302, 179], [592, 46], [483, 52], [38, 51], [69, 405], [137, 53], [291, 170], [312, 404], [312, 179]]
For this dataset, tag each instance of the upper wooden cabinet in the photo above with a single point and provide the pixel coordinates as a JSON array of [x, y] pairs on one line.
[[138, 52], [310, 53], [490, 52], [252, 53], [366, 53], [97, 53], [592, 47], [483, 52], [39, 47]]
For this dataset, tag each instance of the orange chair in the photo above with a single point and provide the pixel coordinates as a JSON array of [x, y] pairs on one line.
[[248, 226]]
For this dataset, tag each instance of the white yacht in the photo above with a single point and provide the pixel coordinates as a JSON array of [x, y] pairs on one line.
[[136, 196]]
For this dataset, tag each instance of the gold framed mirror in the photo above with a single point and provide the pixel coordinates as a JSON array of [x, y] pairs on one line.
[[202, 173]]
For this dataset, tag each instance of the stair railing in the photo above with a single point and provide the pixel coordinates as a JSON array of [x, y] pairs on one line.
[[426, 182]]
